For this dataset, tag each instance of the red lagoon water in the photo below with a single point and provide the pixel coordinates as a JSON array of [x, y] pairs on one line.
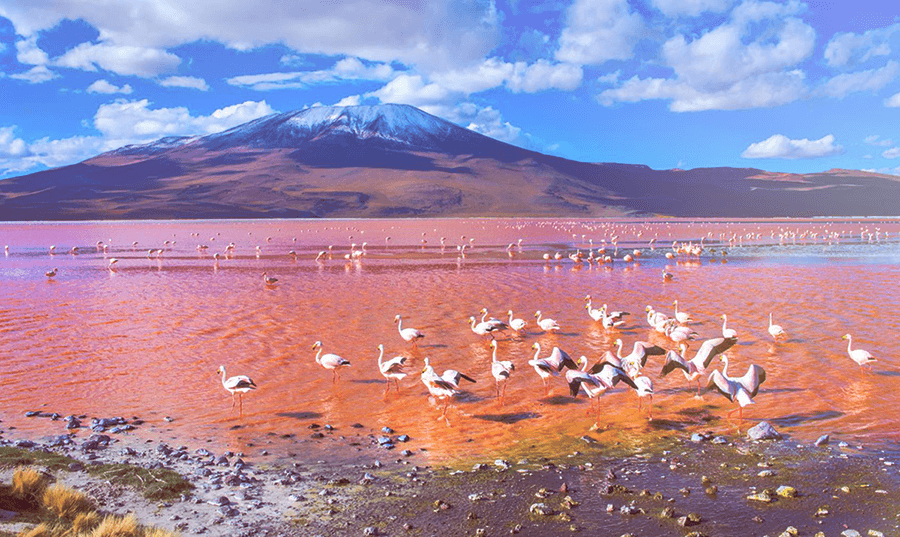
[[146, 338]]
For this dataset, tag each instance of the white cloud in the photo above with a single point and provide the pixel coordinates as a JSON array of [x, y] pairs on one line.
[[414, 33], [120, 123], [10, 146], [411, 89], [36, 75], [691, 8], [518, 77], [191, 82], [598, 31], [847, 47], [732, 66], [345, 69], [350, 100], [488, 121], [893, 152], [874, 140], [120, 59], [870, 80], [103, 86], [780, 146], [28, 53], [886, 171], [893, 101]]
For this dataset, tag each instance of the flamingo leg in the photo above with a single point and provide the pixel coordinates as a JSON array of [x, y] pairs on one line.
[[232, 401], [503, 393], [241, 399], [650, 409]]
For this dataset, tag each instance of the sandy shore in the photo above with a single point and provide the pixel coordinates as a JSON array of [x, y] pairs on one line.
[[692, 485]]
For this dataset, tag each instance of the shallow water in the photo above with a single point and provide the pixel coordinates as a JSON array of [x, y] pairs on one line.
[[146, 338]]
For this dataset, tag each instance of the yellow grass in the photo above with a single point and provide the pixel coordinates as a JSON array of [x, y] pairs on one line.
[[85, 522], [116, 526], [158, 532], [41, 530], [29, 483], [66, 503]]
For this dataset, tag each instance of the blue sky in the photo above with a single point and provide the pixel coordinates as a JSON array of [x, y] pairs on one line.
[[779, 85]]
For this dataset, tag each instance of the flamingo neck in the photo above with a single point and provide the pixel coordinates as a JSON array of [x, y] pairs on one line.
[[483, 317], [725, 367], [223, 376], [539, 317], [619, 350], [400, 325], [473, 323], [318, 356], [537, 351], [494, 355], [849, 343], [380, 356], [724, 322]]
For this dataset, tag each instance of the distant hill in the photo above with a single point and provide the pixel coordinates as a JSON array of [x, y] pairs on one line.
[[396, 160]]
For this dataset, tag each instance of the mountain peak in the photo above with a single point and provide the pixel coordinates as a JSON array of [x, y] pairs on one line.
[[393, 126]]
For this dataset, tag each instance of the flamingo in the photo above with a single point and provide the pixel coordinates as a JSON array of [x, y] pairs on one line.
[[603, 376], [740, 390], [442, 386], [516, 324], [496, 324], [694, 368], [481, 329], [546, 325], [392, 369], [859, 356], [552, 365], [667, 276], [775, 330], [681, 316], [269, 280], [596, 314], [239, 384], [51, 273], [329, 361], [501, 370], [408, 334], [727, 333]]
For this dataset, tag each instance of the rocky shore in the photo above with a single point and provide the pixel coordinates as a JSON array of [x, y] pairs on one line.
[[699, 484]]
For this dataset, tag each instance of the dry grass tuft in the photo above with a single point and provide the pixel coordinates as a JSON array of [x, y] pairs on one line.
[[29, 483], [85, 522], [116, 526], [158, 532], [66, 503], [41, 530]]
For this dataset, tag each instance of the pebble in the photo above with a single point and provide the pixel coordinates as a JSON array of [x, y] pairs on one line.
[[720, 440], [786, 491], [540, 509], [697, 437], [767, 473], [763, 431], [822, 440], [763, 497], [370, 530], [850, 533]]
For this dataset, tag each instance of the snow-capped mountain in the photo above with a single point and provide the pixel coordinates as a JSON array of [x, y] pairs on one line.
[[396, 160]]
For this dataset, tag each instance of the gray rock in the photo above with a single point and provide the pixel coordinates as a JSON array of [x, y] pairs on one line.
[[540, 509], [370, 530], [387, 430], [697, 437], [403, 438], [720, 440], [25, 444], [850, 533], [822, 440], [763, 431]]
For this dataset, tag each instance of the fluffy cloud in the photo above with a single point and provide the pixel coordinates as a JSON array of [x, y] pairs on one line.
[[893, 101], [414, 33], [123, 60], [893, 152], [103, 86], [191, 82], [874, 140], [345, 69], [780, 146], [870, 80], [120, 123], [36, 75], [730, 67], [691, 8], [846, 48], [487, 121], [598, 31], [28, 53], [123, 122], [411, 89], [10, 146], [350, 100], [518, 77]]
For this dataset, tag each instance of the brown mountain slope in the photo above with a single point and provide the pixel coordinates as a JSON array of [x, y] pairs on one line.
[[394, 160]]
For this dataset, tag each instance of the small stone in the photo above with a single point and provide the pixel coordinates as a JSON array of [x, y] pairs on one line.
[[76, 467], [874, 533], [540, 509], [697, 437], [790, 531], [850, 533], [387, 430], [767, 473], [628, 510], [825, 510], [370, 530], [440, 505], [667, 512], [843, 444], [712, 490], [403, 438], [705, 480], [822, 440], [786, 491], [763, 431], [720, 440], [845, 489], [588, 440], [564, 517], [763, 497], [480, 532]]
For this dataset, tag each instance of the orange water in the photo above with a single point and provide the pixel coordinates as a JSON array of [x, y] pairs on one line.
[[145, 340]]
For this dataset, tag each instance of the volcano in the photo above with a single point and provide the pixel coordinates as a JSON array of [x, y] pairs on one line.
[[398, 161]]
